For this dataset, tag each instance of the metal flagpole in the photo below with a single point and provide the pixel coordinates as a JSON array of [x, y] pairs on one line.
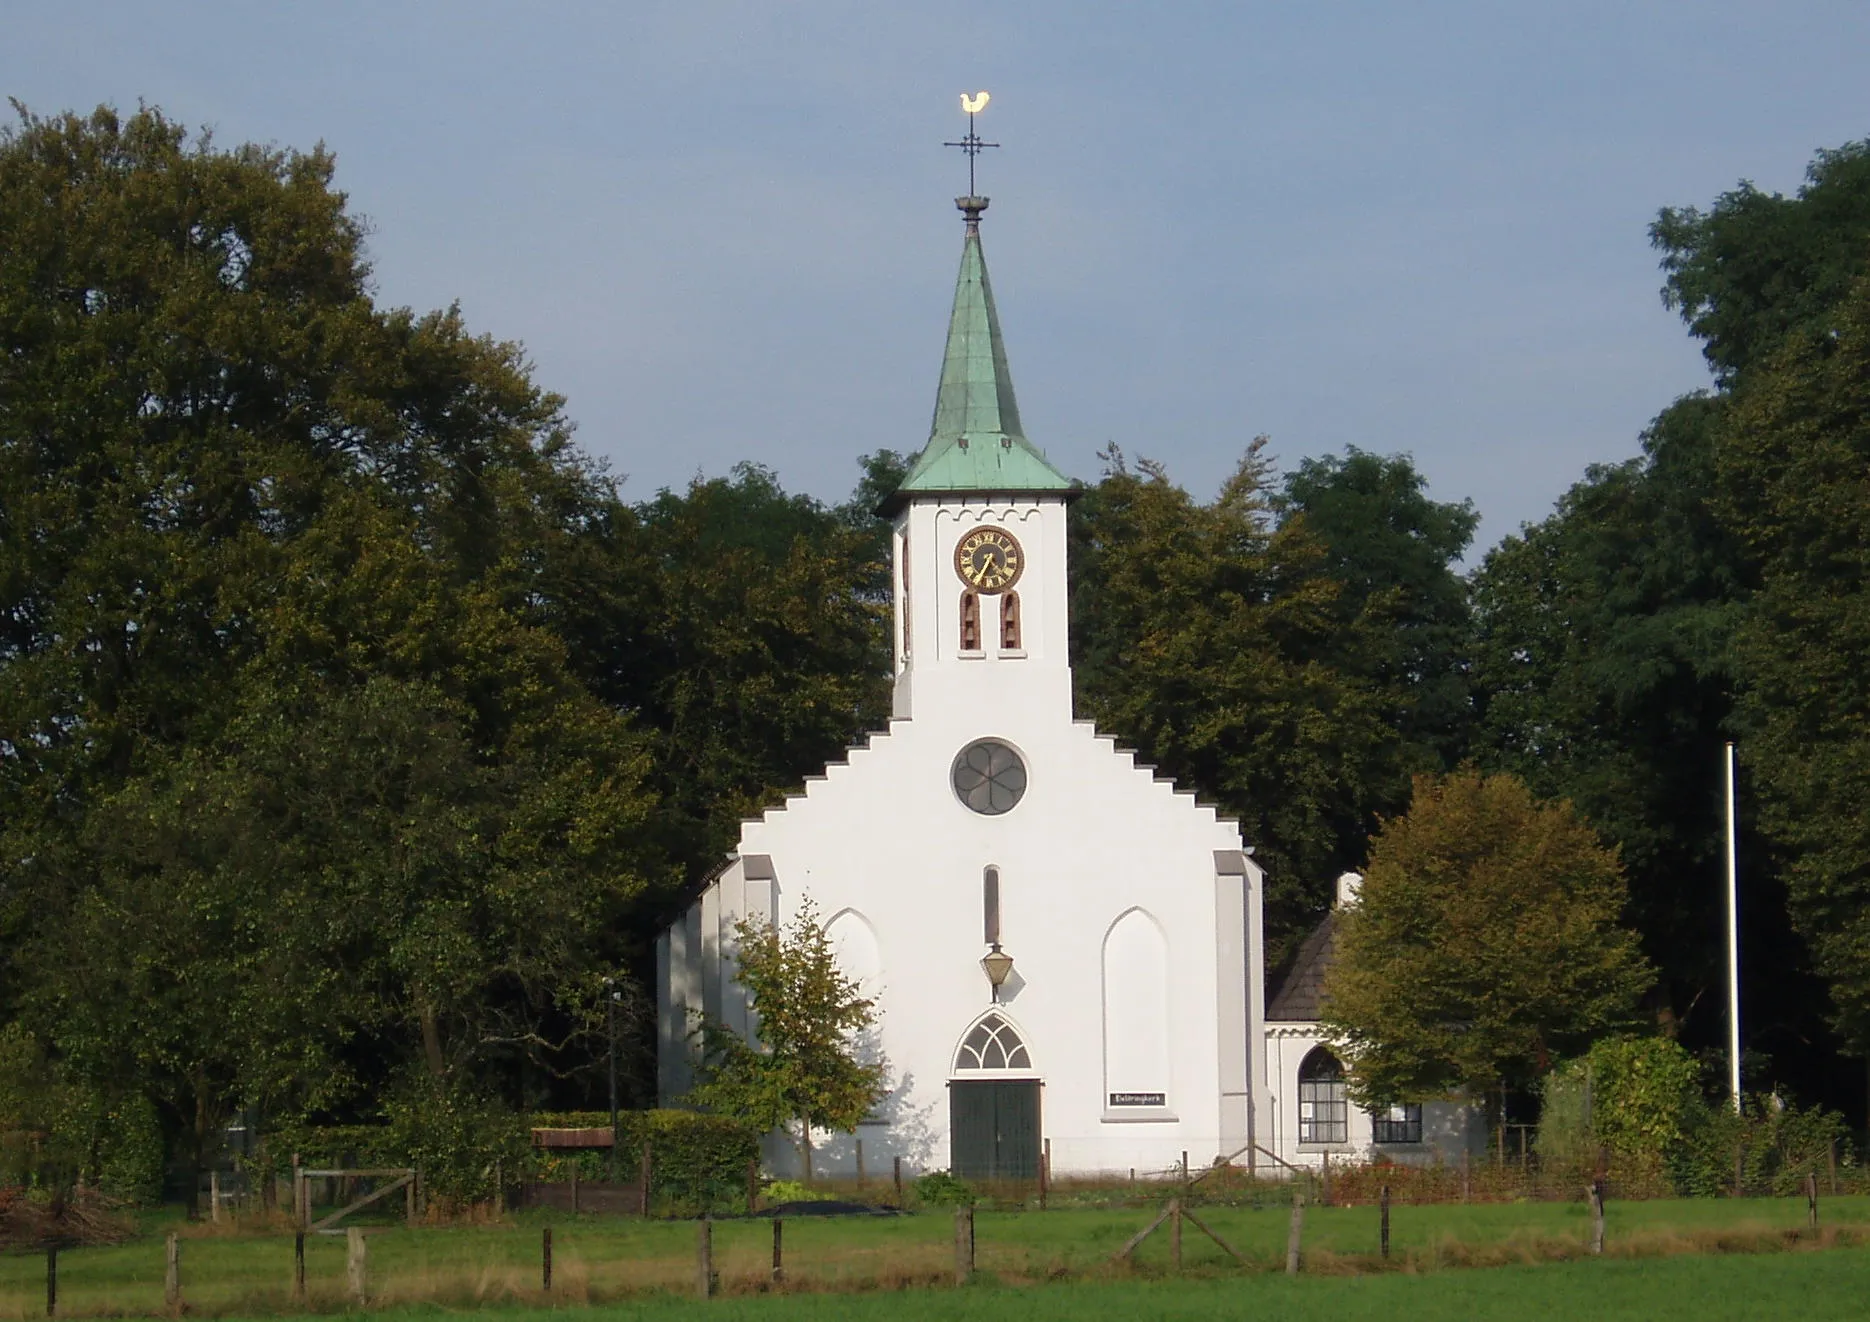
[[1733, 933]]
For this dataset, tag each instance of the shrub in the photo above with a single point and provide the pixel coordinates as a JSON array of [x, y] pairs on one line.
[[1634, 1096], [791, 1191], [458, 1138], [940, 1189]]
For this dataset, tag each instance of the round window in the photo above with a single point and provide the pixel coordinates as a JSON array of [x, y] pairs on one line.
[[989, 777]]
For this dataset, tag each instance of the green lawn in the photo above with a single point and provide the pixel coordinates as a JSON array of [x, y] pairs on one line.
[[610, 1261], [1813, 1287]]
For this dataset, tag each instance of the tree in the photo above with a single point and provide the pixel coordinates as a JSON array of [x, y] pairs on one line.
[[1393, 553], [1484, 946], [811, 1022], [296, 786], [1603, 671], [741, 627], [1209, 638], [1759, 266], [1792, 464]]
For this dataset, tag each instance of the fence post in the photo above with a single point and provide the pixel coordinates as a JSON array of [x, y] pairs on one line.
[[545, 1260], [1045, 1174], [51, 1281], [704, 1258], [860, 1163], [779, 1257], [574, 1190], [214, 1197], [298, 1268], [1295, 1232], [1833, 1157], [1467, 1174], [1383, 1234], [753, 1184], [1175, 1234], [409, 1197], [172, 1273], [357, 1265], [899, 1181], [1811, 1198], [963, 1245], [645, 1173], [1596, 1193], [499, 1191], [1324, 1190], [1740, 1177]]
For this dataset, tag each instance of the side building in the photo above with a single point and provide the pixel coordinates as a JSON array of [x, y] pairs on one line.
[[1309, 1115]]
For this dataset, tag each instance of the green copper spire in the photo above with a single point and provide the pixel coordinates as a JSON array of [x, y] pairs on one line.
[[975, 443]]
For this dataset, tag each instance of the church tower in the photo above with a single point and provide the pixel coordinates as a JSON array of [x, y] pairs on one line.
[[980, 587]]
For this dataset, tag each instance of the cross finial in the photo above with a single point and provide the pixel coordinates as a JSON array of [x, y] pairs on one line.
[[973, 204]]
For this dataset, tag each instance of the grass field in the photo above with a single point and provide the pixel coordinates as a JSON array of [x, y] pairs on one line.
[[1814, 1287], [624, 1264]]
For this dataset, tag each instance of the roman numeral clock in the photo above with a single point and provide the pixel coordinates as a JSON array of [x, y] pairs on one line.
[[989, 560]]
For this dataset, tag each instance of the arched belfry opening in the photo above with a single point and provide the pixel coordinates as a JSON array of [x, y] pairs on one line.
[[993, 1103]]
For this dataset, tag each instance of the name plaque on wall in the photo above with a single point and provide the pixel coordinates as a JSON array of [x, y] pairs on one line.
[[1139, 1099]]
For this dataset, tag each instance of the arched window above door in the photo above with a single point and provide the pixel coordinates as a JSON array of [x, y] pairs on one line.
[[993, 1044]]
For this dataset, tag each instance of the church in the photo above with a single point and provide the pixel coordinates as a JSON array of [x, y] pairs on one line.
[[1064, 948]]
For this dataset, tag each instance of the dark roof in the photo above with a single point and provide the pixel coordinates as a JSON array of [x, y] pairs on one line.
[[1297, 987]]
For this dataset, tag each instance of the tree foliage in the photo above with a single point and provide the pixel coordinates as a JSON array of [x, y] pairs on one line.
[[294, 785], [1792, 464], [813, 1064], [1485, 945], [1254, 658], [1392, 552]]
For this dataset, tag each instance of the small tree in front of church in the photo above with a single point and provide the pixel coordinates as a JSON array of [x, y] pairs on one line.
[[1486, 943], [807, 1067]]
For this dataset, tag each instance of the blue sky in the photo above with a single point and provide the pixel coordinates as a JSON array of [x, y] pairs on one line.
[[726, 231]]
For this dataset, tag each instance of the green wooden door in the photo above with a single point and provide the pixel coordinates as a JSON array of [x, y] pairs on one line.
[[993, 1129]]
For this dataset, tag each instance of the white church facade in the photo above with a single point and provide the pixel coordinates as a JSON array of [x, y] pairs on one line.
[[1064, 948]]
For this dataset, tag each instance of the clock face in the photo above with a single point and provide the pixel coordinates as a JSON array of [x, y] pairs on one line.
[[989, 560]]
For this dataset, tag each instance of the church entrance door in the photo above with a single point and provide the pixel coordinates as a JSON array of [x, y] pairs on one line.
[[993, 1128]]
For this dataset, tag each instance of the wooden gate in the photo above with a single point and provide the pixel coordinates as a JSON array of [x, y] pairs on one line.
[[993, 1129]]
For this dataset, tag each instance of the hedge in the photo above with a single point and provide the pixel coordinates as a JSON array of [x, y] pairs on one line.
[[698, 1162]]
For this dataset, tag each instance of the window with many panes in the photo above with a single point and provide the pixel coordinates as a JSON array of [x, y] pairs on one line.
[[1324, 1107], [1397, 1124]]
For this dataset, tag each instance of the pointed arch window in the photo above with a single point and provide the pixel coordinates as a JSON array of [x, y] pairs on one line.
[[970, 622], [994, 1044], [1009, 622], [1324, 1106]]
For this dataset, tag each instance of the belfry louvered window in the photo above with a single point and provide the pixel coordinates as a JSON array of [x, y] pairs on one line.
[[1009, 622], [970, 622]]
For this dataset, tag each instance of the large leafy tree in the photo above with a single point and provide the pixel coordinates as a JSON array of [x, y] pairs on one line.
[[1208, 637], [293, 785], [1603, 671], [742, 628], [1393, 552], [1617, 640], [1484, 945], [1793, 461]]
